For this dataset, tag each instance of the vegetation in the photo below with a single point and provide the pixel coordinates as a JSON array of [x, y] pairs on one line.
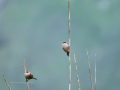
[[34, 31]]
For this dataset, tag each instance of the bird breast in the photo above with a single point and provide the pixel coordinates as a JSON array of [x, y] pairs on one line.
[[27, 75], [65, 47]]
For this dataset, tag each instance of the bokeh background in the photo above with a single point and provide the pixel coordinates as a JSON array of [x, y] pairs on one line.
[[35, 29]]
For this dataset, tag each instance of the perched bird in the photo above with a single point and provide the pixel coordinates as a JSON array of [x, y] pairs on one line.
[[29, 76], [65, 47]]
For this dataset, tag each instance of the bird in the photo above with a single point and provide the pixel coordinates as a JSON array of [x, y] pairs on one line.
[[29, 76], [66, 48]]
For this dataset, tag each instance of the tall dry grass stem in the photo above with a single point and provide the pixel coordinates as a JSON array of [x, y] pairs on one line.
[[95, 70], [69, 44], [89, 69], [6, 81], [76, 71], [25, 72]]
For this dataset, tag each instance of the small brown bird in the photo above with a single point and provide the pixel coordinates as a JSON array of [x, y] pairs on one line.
[[29, 76], [65, 47]]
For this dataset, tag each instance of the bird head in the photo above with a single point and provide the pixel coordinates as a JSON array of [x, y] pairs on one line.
[[65, 42], [27, 72]]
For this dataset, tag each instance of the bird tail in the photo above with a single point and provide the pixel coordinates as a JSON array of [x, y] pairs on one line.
[[26, 80], [68, 53], [35, 78]]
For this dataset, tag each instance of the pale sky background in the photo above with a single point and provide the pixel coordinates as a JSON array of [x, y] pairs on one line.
[[35, 30]]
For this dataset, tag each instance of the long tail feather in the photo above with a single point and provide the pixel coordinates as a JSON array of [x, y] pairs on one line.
[[35, 78]]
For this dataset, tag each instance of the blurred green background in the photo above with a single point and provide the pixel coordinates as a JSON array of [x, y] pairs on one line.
[[35, 29]]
